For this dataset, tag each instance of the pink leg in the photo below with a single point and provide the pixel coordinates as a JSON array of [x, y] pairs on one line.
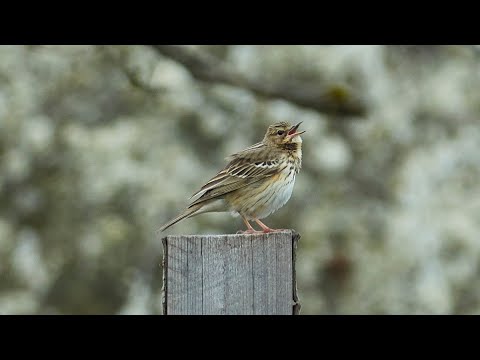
[[250, 229], [265, 228]]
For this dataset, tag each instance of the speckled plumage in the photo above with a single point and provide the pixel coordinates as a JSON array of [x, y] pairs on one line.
[[256, 182]]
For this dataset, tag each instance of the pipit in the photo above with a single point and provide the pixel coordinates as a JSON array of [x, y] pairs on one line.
[[256, 182]]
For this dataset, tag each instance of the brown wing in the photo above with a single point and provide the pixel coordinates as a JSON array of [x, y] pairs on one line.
[[241, 171]]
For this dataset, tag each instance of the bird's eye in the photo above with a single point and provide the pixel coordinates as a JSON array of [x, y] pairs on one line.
[[280, 132]]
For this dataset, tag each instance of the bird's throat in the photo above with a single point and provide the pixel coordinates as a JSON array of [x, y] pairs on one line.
[[291, 146]]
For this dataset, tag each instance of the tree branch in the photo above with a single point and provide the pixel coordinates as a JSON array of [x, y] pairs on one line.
[[120, 59], [333, 99]]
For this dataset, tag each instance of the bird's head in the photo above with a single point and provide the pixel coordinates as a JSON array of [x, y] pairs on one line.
[[282, 134]]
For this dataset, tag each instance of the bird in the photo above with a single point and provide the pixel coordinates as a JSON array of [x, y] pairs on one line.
[[256, 182]]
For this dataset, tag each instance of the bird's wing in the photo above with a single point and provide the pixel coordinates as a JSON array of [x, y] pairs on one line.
[[243, 170], [253, 149]]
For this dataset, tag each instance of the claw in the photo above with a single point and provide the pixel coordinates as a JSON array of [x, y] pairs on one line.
[[270, 230], [249, 232], [266, 229]]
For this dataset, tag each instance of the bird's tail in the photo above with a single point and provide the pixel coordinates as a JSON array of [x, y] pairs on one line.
[[187, 213]]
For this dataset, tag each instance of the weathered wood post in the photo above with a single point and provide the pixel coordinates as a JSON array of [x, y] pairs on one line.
[[230, 274]]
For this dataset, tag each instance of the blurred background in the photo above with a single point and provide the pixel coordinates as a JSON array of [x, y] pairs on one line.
[[101, 145]]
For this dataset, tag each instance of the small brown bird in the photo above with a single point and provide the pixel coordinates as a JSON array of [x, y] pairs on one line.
[[256, 182]]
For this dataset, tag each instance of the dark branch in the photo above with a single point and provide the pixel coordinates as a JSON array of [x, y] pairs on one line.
[[333, 99], [119, 59]]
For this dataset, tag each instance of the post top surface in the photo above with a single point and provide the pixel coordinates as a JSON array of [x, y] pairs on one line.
[[289, 232]]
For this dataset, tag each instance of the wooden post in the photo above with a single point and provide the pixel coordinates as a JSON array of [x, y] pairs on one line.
[[230, 274]]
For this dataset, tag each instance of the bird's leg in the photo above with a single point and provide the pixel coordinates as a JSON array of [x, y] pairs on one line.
[[265, 228], [250, 229]]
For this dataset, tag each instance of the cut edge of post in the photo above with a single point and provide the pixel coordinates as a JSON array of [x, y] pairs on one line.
[[296, 302], [164, 271]]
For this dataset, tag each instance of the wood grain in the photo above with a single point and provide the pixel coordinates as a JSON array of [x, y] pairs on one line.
[[230, 274]]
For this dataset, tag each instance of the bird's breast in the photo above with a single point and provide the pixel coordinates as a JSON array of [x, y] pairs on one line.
[[275, 193], [283, 190]]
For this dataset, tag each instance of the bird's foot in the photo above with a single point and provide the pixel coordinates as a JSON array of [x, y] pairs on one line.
[[270, 230], [249, 232], [266, 229]]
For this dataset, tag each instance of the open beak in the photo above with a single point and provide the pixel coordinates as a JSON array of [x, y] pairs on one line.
[[293, 130]]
